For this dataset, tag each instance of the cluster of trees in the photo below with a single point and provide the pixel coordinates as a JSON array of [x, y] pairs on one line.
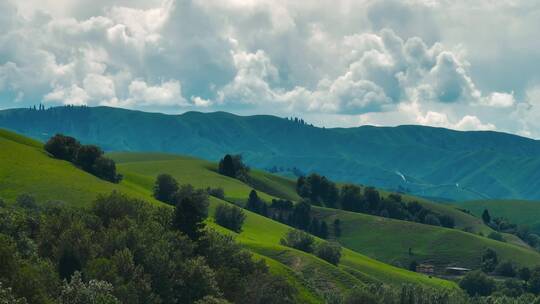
[[40, 107], [296, 215], [90, 158], [122, 250], [319, 190], [519, 282], [233, 166], [330, 252], [502, 225], [298, 121], [525, 283]]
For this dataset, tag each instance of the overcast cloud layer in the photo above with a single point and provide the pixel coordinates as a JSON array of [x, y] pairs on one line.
[[335, 63]]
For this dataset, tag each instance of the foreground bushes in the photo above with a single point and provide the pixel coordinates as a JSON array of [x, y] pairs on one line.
[[126, 251]]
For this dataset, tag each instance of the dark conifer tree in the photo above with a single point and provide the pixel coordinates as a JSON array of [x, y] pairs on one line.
[[337, 228], [254, 202], [486, 217], [323, 232], [226, 166], [315, 227], [189, 216]]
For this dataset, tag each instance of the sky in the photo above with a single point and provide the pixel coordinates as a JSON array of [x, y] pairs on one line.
[[465, 65]]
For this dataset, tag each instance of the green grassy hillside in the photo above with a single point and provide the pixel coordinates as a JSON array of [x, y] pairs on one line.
[[26, 168], [260, 234], [384, 239], [203, 174], [518, 212], [389, 240]]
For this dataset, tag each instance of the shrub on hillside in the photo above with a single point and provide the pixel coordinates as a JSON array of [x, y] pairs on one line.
[[216, 192], [447, 221], [299, 240], [87, 156], [496, 236], [476, 283], [26, 201], [165, 188], [329, 251], [489, 260], [524, 273], [230, 217], [506, 269], [432, 220]]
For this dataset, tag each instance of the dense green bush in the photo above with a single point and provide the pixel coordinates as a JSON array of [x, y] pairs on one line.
[[299, 240], [496, 236], [230, 217], [26, 201], [165, 188], [329, 251], [524, 273], [63, 147], [476, 283], [216, 192], [489, 260], [506, 269]]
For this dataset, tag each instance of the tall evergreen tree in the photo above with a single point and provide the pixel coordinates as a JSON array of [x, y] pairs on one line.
[[323, 232], [486, 217], [254, 202], [302, 215], [226, 166], [189, 216]]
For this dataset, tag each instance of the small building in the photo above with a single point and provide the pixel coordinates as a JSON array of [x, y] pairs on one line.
[[425, 269], [457, 270]]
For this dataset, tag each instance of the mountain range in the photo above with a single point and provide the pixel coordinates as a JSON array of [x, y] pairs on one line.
[[431, 162]]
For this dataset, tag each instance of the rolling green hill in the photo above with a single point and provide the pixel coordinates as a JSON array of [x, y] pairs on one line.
[[389, 240], [425, 161], [384, 239], [26, 168], [518, 212]]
